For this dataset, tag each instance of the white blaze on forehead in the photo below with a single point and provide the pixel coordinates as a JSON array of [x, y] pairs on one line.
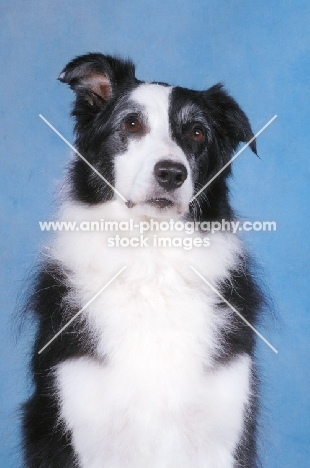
[[134, 168], [154, 99]]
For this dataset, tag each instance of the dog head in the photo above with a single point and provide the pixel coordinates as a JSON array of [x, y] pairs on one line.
[[158, 145]]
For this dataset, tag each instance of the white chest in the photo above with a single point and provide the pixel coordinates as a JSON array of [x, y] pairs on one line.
[[118, 420], [152, 398]]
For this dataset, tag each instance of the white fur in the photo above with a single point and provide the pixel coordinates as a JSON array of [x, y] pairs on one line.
[[152, 415], [151, 396], [135, 169]]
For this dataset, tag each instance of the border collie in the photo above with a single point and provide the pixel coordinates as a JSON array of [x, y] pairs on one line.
[[157, 372]]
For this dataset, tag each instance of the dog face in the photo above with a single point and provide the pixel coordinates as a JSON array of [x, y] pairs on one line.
[[156, 144], [153, 172]]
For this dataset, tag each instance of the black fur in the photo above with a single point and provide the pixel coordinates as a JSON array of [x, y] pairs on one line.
[[246, 296], [102, 85], [225, 126], [95, 121], [46, 445]]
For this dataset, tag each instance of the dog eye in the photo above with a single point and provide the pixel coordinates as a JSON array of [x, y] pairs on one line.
[[197, 134], [133, 125]]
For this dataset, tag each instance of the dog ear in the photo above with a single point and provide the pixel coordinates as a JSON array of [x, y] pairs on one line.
[[94, 75], [229, 122]]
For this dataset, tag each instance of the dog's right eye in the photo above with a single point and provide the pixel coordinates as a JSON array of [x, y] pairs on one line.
[[133, 125]]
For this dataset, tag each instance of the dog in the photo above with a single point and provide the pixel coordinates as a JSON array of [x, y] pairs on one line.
[[157, 371]]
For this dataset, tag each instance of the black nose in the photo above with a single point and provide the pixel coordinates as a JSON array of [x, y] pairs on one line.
[[170, 175]]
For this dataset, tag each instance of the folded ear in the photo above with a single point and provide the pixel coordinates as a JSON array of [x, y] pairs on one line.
[[97, 74], [229, 122]]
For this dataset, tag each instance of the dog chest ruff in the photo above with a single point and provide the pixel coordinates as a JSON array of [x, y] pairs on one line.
[[158, 400], [157, 372]]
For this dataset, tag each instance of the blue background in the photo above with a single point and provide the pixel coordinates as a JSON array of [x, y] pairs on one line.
[[260, 50]]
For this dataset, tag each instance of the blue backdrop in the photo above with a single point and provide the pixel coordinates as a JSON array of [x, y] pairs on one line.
[[260, 50]]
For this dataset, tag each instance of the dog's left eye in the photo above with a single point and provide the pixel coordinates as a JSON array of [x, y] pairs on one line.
[[197, 134], [133, 125]]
